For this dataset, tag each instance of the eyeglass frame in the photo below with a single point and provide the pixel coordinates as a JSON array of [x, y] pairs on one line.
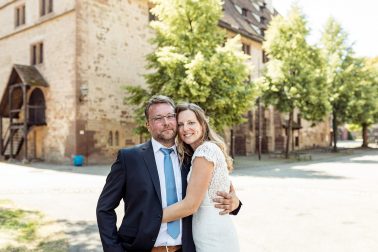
[[159, 118]]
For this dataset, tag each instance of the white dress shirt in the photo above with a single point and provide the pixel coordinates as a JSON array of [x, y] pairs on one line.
[[164, 239]]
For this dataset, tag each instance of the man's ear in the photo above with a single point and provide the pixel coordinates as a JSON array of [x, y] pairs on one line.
[[147, 126]]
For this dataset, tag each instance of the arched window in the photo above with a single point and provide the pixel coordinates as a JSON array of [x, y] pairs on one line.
[[110, 138], [116, 137], [37, 108]]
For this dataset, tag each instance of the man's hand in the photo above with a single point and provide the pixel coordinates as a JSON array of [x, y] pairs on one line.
[[228, 202]]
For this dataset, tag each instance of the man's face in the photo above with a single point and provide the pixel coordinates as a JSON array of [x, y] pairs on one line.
[[162, 123]]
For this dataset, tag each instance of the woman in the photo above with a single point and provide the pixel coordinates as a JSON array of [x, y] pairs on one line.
[[209, 174]]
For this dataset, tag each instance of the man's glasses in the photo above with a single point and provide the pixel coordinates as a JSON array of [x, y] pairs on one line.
[[160, 119]]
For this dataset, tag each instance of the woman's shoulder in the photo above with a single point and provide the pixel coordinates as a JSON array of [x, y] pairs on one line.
[[208, 146]]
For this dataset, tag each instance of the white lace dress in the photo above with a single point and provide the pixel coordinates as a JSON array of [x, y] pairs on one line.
[[213, 232]]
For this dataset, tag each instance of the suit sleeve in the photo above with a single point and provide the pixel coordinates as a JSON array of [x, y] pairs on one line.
[[111, 195], [236, 211]]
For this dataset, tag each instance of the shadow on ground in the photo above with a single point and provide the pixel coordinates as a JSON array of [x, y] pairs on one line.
[[285, 171], [82, 236]]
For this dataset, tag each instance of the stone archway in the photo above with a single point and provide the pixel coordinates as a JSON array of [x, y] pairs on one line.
[[37, 119], [37, 108]]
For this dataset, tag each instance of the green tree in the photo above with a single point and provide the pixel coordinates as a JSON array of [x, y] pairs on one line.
[[293, 77], [341, 70], [363, 108], [192, 62]]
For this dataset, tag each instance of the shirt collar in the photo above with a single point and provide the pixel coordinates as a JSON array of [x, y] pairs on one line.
[[156, 146]]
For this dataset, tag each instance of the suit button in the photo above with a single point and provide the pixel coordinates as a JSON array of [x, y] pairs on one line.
[[154, 240]]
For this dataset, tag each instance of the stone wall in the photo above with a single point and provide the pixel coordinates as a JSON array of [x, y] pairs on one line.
[[315, 134], [112, 44]]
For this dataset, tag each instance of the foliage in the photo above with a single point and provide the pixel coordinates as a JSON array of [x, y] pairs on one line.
[[341, 68], [343, 72], [363, 108], [293, 78], [192, 62]]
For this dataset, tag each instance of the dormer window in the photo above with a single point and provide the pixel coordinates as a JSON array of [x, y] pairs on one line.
[[244, 12], [262, 20], [263, 7]]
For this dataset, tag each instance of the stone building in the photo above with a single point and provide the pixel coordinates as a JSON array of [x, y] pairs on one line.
[[63, 65], [84, 52], [250, 19]]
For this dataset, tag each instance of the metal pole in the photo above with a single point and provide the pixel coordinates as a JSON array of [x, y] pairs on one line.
[[260, 127], [1, 134], [232, 149], [10, 121], [26, 119]]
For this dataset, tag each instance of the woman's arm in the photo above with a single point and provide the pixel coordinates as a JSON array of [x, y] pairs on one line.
[[199, 181]]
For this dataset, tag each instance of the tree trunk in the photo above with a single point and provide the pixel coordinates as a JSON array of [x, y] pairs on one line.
[[232, 143], [364, 135], [288, 134], [334, 126]]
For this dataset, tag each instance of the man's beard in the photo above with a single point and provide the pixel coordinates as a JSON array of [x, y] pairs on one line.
[[167, 136]]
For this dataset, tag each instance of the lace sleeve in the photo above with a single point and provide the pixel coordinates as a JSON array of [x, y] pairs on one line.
[[207, 150]]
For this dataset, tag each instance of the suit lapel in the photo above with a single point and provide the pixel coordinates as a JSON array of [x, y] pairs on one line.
[[184, 174], [149, 159]]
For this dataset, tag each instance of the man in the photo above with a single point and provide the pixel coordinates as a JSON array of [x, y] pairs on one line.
[[138, 176]]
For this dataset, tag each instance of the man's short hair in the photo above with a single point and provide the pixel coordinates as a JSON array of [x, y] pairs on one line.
[[157, 99]]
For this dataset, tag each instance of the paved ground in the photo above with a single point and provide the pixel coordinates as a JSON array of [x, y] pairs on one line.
[[327, 204]]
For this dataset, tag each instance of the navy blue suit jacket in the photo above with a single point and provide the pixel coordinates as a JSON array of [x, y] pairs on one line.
[[134, 178]]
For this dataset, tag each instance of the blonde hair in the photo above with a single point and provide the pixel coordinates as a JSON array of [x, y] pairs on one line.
[[208, 134]]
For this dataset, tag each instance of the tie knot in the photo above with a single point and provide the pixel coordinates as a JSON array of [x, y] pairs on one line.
[[166, 151]]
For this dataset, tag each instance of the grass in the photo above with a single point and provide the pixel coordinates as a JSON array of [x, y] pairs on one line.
[[25, 223], [28, 231]]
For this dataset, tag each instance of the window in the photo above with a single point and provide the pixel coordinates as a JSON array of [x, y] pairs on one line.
[[263, 20], [262, 32], [46, 7], [244, 12], [250, 120], [263, 7], [151, 16], [299, 119], [20, 15], [246, 49], [110, 138], [264, 57], [37, 53], [116, 138]]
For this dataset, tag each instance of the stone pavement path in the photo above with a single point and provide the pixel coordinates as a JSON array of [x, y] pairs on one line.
[[327, 204]]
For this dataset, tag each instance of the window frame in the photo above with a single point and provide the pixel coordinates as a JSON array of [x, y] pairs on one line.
[[19, 15], [46, 7], [37, 53]]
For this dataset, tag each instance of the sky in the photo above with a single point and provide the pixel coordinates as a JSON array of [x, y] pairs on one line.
[[358, 18]]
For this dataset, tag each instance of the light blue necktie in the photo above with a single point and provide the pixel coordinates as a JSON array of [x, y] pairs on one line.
[[171, 193]]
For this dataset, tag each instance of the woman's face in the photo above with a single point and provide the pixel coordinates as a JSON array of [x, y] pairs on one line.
[[189, 129]]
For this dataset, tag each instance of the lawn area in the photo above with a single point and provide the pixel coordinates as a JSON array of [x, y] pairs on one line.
[[25, 230]]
